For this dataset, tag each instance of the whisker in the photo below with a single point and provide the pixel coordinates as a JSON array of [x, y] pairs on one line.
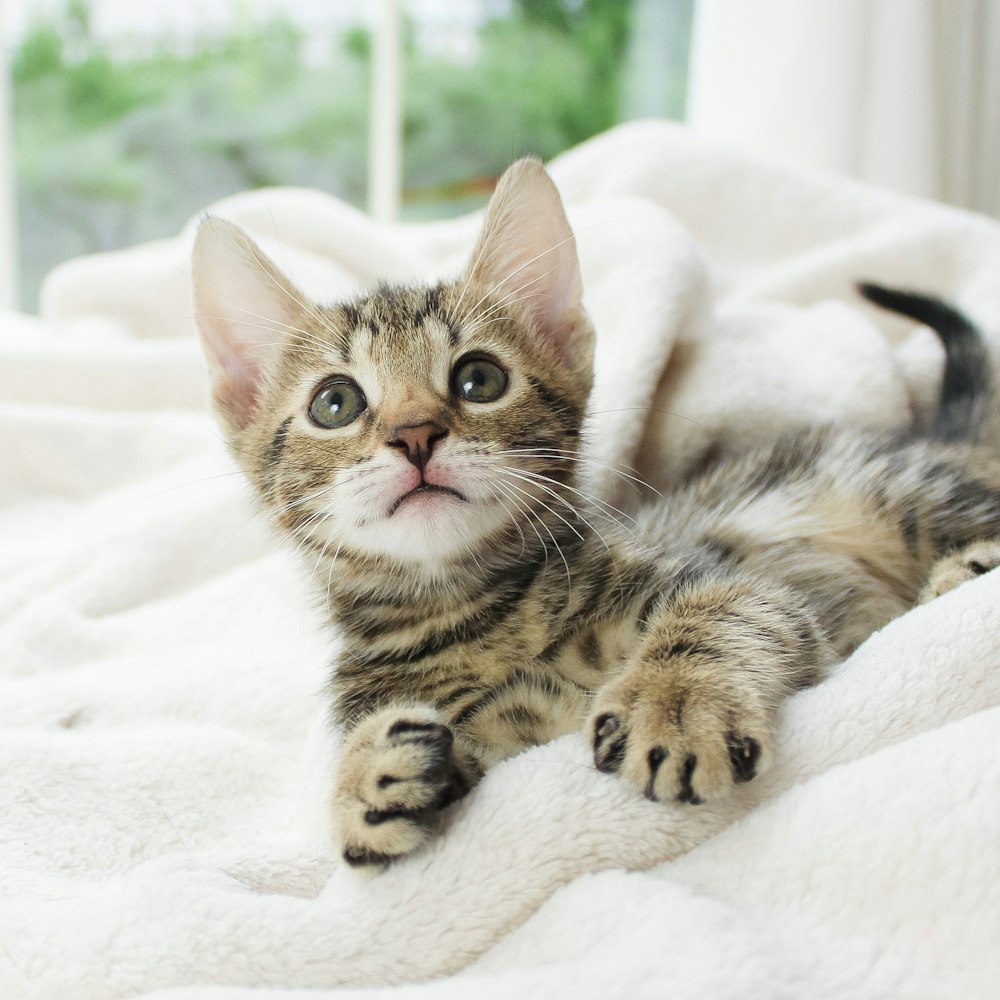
[[487, 236], [510, 514], [194, 482], [559, 454], [562, 555], [522, 505], [563, 500], [518, 270], [273, 325], [308, 309], [602, 506], [650, 409]]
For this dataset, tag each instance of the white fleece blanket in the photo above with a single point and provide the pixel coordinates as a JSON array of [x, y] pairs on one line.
[[162, 771]]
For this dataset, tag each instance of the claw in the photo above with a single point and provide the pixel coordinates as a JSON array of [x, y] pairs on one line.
[[358, 857], [744, 753], [609, 755], [607, 725]]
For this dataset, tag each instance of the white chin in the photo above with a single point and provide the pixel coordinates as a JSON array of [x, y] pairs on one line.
[[429, 528]]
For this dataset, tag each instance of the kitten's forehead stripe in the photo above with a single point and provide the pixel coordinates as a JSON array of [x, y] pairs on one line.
[[391, 306], [395, 324], [405, 331], [430, 306], [351, 315], [346, 353]]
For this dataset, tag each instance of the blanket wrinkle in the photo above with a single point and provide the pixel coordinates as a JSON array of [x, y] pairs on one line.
[[164, 757]]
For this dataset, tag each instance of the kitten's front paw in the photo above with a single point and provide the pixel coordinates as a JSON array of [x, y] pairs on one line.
[[966, 564], [678, 739], [397, 773]]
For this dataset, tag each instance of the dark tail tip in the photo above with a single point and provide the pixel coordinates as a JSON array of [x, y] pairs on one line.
[[967, 386]]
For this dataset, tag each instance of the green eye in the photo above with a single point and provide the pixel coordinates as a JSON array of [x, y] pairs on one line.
[[478, 380], [337, 404]]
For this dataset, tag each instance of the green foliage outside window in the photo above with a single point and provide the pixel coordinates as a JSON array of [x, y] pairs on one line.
[[116, 146]]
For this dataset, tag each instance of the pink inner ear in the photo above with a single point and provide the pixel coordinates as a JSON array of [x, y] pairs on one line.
[[244, 307], [558, 312], [235, 361], [237, 390], [527, 252]]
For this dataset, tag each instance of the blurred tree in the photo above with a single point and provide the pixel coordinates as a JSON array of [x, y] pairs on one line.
[[114, 148], [39, 55], [600, 30]]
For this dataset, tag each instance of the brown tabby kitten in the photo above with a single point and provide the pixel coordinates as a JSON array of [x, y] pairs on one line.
[[423, 445]]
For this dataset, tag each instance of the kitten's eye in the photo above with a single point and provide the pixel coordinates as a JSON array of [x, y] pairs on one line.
[[478, 380], [337, 404]]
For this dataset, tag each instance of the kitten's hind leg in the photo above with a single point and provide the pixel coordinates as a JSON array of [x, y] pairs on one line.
[[965, 564], [400, 768], [695, 710]]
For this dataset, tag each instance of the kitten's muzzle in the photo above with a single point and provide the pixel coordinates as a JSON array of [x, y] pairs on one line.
[[417, 441]]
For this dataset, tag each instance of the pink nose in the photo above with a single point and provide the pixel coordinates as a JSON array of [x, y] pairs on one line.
[[417, 440]]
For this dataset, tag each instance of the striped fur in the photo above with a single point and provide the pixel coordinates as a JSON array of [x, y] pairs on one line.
[[486, 604]]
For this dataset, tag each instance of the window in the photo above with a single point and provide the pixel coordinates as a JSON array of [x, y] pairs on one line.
[[129, 118]]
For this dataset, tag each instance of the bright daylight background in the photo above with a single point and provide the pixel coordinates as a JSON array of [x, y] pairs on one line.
[[129, 117], [126, 117]]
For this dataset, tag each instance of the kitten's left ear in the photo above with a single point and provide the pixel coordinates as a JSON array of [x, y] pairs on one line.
[[527, 252], [244, 307]]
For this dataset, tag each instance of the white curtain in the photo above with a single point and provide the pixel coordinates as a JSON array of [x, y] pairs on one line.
[[903, 93]]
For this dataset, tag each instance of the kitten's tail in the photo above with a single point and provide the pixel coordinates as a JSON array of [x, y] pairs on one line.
[[967, 386]]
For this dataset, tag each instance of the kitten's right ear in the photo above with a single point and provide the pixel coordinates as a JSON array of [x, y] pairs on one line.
[[244, 307]]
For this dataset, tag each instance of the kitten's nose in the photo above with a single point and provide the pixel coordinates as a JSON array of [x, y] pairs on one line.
[[417, 440]]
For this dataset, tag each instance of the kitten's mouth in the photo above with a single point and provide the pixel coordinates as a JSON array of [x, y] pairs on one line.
[[422, 489]]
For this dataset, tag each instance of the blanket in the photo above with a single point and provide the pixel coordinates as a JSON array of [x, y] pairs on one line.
[[164, 767]]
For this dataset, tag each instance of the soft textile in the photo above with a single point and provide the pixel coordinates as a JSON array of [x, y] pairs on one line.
[[163, 760]]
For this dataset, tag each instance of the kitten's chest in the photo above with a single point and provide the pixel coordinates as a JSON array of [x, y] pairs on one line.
[[549, 643]]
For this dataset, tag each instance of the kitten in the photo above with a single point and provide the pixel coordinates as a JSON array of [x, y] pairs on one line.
[[422, 445]]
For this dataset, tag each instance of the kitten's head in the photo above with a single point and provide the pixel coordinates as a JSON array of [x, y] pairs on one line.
[[418, 424]]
